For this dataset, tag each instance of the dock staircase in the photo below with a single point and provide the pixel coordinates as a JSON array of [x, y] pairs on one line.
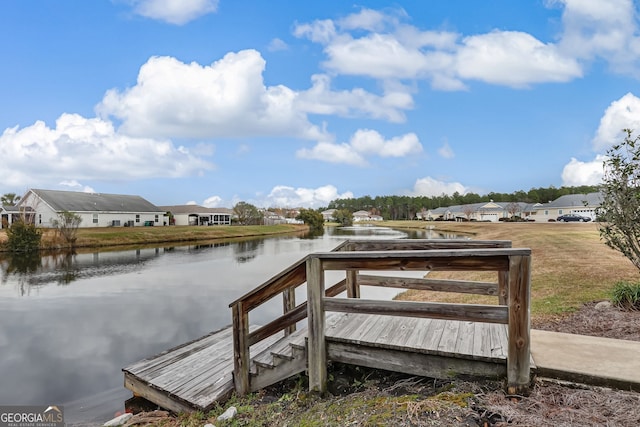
[[421, 338]]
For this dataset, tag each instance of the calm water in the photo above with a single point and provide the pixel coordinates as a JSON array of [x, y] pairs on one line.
[[69, 324]]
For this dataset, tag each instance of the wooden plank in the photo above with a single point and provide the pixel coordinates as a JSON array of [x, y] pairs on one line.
[[292, 277], [482, 340], [419, 334], [466, 335], [421, 244], [442, 285], [433, 339], [447, 344], [519, 353], [351, 326], [402, 330], [470, 312], [240, 348], [353, 287], [288, 304], [292, 317], [317, 354], [428, 365], [140, 388]]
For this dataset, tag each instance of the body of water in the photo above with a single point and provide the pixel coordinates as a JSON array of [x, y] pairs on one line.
[[70, 323]]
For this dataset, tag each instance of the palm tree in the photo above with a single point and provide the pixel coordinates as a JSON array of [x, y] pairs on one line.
[[9, 199]]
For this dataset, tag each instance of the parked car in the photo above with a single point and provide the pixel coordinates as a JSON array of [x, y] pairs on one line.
[[573, 218]]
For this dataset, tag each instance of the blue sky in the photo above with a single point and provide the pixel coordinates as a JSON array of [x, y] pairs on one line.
[[288, 104]]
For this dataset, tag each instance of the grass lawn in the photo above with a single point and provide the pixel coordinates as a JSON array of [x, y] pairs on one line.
[[118, 236], [571, 265]]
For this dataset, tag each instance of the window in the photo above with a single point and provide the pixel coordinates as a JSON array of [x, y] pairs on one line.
[[546, 212], [559, 211], [156, 218], [39, 218], [95, 218], [137, 218]]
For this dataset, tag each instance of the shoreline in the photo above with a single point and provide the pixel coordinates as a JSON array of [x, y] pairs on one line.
[[122, 237]]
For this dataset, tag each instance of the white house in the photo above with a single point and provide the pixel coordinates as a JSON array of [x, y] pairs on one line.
[[198, 215], [581, 204], [42, 207], [484, 211]]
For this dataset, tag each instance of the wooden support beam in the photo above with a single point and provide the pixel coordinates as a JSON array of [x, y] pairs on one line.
[[503, 287], [240, 348], [353, 287], [519, 352], [288, 304], [442, 285], [317, 351], [434, 310]]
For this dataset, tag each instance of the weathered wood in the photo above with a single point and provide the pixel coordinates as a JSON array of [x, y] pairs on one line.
[[419, 244], [469, 312], [293, 276], [353, 285], [518, 359], [442, 285], [139, 388], [423, 364], [430, 260], [290, 318], [503, 287], [240, 348], [317, 358], [288, 304]]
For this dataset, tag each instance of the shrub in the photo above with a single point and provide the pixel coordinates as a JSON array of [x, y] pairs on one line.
[[626, 295], [23, 237]]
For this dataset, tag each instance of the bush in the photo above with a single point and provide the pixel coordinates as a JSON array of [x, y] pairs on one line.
[[626, 295], [23, 237]]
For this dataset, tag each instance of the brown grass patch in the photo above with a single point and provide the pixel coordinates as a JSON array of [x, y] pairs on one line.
[[570, 263]]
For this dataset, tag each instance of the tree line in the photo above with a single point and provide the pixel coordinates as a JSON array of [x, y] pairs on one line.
[[406, 207]]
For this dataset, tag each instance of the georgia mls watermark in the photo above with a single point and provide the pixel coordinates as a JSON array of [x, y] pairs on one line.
[[31, 416]]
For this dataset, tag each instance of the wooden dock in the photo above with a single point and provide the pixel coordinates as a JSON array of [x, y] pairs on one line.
[[430, 339], [196, 375]]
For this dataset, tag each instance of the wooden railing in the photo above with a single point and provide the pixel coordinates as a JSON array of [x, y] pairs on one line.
[[512, 289]]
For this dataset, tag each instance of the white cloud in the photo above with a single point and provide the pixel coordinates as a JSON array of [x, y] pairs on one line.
[[225, 99], [431, 187], [176, 12], [364, 142], [76, 185], [332, 153], [277, 45], [446, 151], [78, 148], [514, 59], [576, 173], [320, 99], [285, 196], [623, 113], [212, 202], [606, 29]]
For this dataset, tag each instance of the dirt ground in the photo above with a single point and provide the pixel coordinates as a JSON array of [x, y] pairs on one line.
[[362, 397]]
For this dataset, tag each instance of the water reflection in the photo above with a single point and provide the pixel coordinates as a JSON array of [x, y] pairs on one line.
[[70, 321]]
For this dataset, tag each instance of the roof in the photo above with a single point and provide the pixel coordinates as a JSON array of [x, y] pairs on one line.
[[576, 200], [195, 209], [74, 201]]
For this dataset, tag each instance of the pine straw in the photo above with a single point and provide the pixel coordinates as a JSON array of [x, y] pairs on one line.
[[555, 404]]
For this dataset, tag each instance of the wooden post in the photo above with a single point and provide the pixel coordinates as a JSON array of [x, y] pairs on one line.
[[240, 349], [519, 353], [353, 288], [288, 304], [503, 287], [317, 351]]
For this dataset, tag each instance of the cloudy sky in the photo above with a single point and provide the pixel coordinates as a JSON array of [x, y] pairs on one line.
[[284, 104]]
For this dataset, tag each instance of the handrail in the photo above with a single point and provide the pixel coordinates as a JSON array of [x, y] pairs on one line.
[[354, 255]]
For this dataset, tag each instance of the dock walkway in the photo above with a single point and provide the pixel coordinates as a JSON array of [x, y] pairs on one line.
[[196, 375]]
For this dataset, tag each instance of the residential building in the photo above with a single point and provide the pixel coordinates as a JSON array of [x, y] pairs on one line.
[[43, 207], [197, 215]]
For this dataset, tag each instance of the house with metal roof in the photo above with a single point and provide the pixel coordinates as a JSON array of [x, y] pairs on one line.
[[95, 209], [581, 204], [198, 215], [484, 211]]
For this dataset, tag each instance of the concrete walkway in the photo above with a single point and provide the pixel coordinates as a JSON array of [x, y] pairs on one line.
[[590, 360]]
